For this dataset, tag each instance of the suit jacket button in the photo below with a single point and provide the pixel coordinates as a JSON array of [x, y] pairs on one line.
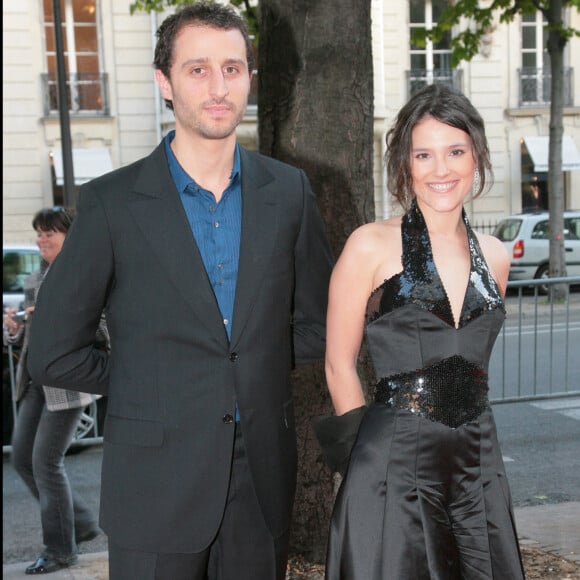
[[227, 418], [234, 356]]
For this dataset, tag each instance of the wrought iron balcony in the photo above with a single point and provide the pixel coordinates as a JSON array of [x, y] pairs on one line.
[[535, 87], [87, 93], [418, 78]]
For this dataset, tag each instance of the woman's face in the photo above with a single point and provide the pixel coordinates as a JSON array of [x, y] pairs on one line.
[[442, 164], [49, 243]]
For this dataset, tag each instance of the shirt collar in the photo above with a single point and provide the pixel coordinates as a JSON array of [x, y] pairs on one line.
[[180, 176]]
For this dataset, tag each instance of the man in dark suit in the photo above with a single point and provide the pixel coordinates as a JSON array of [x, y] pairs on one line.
[[212, 266]]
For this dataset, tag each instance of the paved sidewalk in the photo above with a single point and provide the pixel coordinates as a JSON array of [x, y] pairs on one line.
[[553, 528], [90, 567]]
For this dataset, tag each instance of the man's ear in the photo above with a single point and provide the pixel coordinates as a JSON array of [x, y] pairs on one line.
[[164, 85]]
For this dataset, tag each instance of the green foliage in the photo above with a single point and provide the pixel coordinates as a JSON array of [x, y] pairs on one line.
[[155, 5], [465, 43], [249, 12]]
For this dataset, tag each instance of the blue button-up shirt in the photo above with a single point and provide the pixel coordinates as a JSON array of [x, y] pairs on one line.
[[216, 228]]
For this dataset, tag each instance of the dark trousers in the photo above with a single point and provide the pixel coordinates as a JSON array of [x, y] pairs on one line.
[[39, 443], [243, 549]]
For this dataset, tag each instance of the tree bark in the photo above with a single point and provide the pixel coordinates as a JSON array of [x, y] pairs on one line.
[[556, 44], [315, 103]]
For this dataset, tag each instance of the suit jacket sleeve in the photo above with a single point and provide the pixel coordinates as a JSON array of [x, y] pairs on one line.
[[313, 263], [62, 349]]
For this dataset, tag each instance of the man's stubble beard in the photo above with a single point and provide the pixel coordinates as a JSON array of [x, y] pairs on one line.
[[211, 129]]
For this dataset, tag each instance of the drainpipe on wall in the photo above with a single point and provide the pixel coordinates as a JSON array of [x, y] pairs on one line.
[[386, 210], [153, 18]]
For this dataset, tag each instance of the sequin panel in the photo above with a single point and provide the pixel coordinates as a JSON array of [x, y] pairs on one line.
[[453, 391], [419, 282]]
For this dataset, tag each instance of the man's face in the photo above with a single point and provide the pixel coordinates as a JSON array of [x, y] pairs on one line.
[[209, 81]]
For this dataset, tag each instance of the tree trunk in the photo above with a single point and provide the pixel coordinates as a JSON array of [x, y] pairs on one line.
[[315, 103], [556, 44]]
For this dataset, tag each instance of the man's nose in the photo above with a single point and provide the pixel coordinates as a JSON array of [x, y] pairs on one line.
[[219, 85]]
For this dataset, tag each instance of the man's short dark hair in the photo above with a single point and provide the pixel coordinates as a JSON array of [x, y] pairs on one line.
[[210, 14]]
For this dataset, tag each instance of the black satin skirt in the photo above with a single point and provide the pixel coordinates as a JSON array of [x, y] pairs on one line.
[[423, 501]]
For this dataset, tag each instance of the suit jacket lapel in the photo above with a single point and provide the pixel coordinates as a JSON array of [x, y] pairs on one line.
[[160, 216], [259, 227]]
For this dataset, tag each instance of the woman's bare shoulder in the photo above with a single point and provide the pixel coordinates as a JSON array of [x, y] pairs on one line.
[[374, 250], [493, 248], [368, 236]]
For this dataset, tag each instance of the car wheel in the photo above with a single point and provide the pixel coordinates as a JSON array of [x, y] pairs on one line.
[[543, 273]]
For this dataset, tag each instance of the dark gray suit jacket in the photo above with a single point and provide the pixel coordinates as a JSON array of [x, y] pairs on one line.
[[172, 377]]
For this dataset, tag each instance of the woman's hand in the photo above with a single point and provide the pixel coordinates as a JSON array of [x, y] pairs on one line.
[[11, 324]]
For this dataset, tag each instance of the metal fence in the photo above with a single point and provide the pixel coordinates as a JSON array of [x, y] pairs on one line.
[[537, 354], [484, 227]]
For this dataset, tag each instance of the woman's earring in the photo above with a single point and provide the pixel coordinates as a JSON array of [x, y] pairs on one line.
[[476, 182]]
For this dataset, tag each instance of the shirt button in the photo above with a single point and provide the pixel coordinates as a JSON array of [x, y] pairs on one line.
[[234, 356], [226, 321], [227, 419], [216, 224]]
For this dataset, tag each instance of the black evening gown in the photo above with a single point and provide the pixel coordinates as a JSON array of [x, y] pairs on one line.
[[425, 495]]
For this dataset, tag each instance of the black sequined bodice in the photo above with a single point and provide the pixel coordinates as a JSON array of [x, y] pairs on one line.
[[423, 363]]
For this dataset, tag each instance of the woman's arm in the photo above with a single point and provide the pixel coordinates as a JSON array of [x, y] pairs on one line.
[[350, 287]]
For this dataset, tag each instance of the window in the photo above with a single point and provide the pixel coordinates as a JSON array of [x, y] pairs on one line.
[[571, 225], [534, 184], [17, 264], [86, 83], [541, 231], [508, 229], [535, 75], [431, 63], [572, 228]]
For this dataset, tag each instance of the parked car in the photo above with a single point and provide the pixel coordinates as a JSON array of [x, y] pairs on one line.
[[20, 260], [526, 237]]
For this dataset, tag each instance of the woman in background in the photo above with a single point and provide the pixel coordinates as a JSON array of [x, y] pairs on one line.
[[47, 420]]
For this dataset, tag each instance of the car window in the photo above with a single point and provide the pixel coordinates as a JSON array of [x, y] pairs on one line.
[[541, 230], [507, 230], [572, 228], [16, 266]]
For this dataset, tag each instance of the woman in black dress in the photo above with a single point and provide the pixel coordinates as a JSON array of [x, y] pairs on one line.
[[425, 494]]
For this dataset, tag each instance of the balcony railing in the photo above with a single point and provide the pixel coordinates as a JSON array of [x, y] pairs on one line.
[[418, 78], [87, 94], [535, 87]]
